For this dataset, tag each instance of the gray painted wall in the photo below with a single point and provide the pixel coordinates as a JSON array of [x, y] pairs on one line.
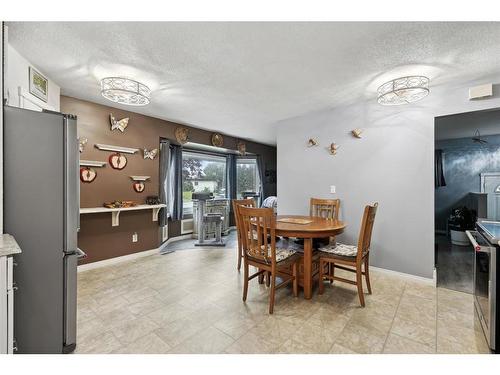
[[392, 164], [464, 161]]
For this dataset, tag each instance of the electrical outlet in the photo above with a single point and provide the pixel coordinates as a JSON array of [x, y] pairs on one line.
[[332, 189], [135, 237]]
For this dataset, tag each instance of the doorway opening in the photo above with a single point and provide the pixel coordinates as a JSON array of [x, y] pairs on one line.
[[467, 187]]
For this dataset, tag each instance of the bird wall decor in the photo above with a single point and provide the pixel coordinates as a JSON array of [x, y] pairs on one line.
[[333, 148], [120, 125], [312, 142], [356, 132]]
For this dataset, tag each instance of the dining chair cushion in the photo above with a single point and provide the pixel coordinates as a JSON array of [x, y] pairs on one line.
[[340, 249], [281, 253]]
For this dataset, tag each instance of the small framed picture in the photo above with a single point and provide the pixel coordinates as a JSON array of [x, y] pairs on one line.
[[39, 85]]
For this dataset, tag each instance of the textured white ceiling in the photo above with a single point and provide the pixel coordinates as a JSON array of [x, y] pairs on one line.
[[241, 78]]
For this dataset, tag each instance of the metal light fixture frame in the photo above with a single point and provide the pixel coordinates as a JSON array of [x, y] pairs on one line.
[[125, 91], [403, 90]]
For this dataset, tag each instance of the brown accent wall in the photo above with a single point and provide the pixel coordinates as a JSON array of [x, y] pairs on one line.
[[97, 237]]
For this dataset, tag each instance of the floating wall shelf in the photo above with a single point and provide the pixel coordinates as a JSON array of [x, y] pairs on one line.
[[140, 178], [92, 163], [124, 150], [115, 212]]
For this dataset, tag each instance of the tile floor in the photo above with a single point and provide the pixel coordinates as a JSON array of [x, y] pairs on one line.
[[190, 302]]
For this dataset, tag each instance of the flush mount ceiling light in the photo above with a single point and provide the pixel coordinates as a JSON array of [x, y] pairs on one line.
[[125, 91], [403, 90]]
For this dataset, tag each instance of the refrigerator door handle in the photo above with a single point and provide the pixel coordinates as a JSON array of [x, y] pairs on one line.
[[81, 254]]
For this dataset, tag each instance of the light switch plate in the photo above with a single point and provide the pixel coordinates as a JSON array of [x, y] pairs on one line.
[[135, 237], [332, 189]]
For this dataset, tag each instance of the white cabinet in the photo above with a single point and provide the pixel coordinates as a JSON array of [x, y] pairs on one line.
[[6, 305]]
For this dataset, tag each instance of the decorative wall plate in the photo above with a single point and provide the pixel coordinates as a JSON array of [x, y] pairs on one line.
[[87, 175], [139, 186], [150, 154], [182, 135], [217, 140], [242, 148], [118, 125], [82, 142], [117, 161]]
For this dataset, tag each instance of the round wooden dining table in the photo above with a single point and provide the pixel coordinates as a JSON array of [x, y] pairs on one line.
[[316, 227]]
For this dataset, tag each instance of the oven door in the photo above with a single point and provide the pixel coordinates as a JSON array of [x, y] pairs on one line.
[[484, 284]]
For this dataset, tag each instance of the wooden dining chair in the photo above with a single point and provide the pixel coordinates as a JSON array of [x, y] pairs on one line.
[[325, 208], [350, 258], [260, 251], [245, 203]]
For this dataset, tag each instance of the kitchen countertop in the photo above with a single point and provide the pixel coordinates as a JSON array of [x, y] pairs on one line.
[[8, 245]]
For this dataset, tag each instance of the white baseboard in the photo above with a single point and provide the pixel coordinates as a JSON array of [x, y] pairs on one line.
[[408, 276], [116, 260], [128, 257]]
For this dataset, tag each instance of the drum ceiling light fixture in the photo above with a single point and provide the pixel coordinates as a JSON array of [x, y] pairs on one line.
[[125, 91], [403, 90]]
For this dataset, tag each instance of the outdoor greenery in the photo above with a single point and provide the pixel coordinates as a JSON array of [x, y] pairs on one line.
[[196, 168], [245, 177]]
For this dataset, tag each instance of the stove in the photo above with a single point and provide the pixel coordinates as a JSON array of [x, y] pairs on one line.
[[486, 242]]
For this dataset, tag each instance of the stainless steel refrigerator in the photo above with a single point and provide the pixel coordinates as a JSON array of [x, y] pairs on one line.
[[41, 210]]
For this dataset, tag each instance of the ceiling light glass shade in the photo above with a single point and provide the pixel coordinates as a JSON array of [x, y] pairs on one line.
[[403, 90], [125, 91]]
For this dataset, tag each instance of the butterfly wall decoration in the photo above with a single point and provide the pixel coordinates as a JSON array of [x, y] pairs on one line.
[[118, 125], [150, 154], [82, 142]]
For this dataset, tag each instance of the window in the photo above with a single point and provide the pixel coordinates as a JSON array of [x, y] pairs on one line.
[[202, 173], [247, 176]]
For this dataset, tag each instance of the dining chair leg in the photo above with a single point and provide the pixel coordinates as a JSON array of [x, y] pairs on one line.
[[295, 272], [245, 281], [261, 277], [273, 291], [240, 255], [331, 271], [268, 278], [359, 283], [321, 269], [367, 275]]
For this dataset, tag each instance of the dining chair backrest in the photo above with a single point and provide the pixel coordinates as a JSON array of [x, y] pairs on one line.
[[258, 233], [325, 208], [244, 203], [365, 233]]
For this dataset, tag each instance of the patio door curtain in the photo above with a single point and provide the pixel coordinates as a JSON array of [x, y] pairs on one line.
[[175, 183], [164, 167], [261, 171], [231, 177]]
